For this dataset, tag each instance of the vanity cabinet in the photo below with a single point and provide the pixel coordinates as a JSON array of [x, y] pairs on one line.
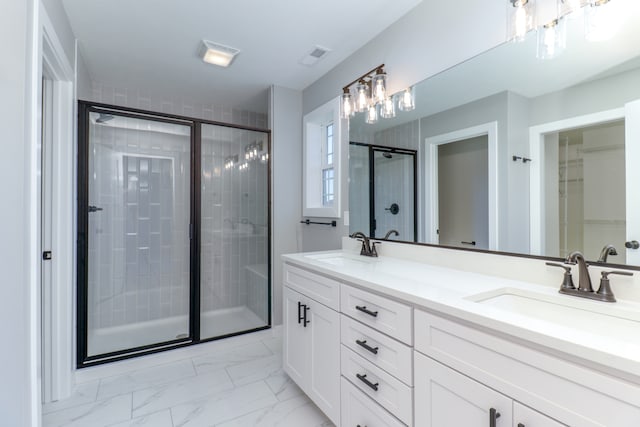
[[311, 344], [452, 357]]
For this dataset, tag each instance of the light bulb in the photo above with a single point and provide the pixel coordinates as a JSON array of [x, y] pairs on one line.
[[521, 22], [362, 96], [347, 104], [551, 39], [521, 18], [407, 100], [379, 84], [388, 108]]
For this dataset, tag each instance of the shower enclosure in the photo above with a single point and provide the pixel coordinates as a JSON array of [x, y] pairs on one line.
[[173, 232], [382, 196]]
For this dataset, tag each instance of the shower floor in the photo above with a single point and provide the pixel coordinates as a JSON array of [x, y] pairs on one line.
[[212, 324]]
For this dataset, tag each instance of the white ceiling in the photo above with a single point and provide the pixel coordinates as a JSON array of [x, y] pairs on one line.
[[152, 45]]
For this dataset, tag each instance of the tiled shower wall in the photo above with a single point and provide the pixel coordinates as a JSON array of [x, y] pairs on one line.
[[139, 241]]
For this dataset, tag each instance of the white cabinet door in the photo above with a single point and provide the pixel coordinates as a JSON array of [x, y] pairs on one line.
[[446, 398], [296, 342], [311, 350], [524, 416], [360, 410], [324, 357]]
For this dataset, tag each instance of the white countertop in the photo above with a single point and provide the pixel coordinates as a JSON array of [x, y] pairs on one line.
[[613, 345]]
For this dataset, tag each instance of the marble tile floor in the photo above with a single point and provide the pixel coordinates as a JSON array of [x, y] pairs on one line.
[[234, 382]]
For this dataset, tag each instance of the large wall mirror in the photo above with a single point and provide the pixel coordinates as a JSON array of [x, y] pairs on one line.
[[519, 154]]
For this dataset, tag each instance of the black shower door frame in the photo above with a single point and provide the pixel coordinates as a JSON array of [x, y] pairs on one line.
[[82, 301]]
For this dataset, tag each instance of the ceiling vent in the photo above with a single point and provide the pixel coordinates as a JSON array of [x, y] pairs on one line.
[[315, 55]]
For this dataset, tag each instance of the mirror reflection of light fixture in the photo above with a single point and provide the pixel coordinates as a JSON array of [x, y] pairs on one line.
[[372, 114], [552, 39], [521, 19], [253, 151], [407, 100], [388, 109], [600, 21], [230, 162]]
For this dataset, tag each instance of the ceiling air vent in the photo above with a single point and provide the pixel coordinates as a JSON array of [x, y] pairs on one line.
[[315, 55]]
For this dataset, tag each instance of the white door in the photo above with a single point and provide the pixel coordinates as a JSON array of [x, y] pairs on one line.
[[446, 398], [323, 326], [632, 154], [524, 416], [296, 339]]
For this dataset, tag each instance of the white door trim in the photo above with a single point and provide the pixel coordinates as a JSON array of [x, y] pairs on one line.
[[429, 207], [536, 150], [58, 345]]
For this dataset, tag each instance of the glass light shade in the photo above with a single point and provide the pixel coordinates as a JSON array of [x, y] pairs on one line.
[[566, 7], [552, 39], [372, 114], [388, 109], [407, 100], [379, 87], [347, 109], [600, 21], [362, 97], [521, 18]]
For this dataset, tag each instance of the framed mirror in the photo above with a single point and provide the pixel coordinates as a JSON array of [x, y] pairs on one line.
[[524, 155]]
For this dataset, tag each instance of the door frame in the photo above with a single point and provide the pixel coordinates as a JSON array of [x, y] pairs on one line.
[[57, 338], [429, 207], [537, 134]]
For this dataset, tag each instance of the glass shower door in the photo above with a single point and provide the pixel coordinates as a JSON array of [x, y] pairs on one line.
[[234, 242], [139, 212]]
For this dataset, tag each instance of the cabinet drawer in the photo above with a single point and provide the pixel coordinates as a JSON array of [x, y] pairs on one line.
[[391, 393], [389, 317], [359, 410], [319, 288], [386, 353], [563, 390]]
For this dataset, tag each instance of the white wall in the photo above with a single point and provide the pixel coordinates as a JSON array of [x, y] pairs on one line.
[[285, 118], [15, 389]]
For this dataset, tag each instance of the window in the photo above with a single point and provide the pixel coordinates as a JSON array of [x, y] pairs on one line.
[[327, 167], [322, 161]]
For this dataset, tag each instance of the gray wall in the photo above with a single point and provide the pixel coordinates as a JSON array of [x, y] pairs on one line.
[[286, 186]]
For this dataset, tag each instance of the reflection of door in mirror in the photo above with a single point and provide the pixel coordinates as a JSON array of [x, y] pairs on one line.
[[585, 197], [463, 194], [382, 195]]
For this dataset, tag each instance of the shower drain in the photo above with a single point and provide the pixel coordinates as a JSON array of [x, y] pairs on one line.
[[181, 336]]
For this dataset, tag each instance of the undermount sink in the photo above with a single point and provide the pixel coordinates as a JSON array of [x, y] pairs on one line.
[[567, 311], [338, 258]]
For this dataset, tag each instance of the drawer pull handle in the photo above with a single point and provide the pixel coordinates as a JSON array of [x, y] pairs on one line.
[[493, 417], [363, 308], [364, 345], [300, 317], [305, 322], [364, 379]]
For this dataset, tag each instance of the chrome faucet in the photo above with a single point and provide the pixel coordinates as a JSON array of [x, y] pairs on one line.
[[584, 280], [606, 251], [390, 232], [368, 247]]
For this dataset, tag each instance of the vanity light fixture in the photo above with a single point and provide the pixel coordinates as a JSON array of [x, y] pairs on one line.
[[521, 19], [552, 39], [230, 162], [362, 96], [600, 21], [347, 110], [217, 54], [388, 108], [379, 86], [372, 114]]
